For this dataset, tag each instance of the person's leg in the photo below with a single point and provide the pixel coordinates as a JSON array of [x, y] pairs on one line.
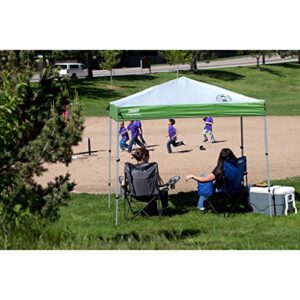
[[130, 145], [212, 138], [205, 139], [142, 138], [139, 142], [122, 146], [177, 144], [164, 197], [151, 208], [201, 202], [169, 143]]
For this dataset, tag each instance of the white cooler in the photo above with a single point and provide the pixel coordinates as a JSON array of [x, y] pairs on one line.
[[282, 200]]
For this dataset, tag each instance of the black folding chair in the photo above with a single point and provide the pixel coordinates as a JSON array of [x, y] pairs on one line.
[[233, 194], [141, 191]]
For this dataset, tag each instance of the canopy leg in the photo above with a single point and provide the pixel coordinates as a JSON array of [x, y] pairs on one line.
[[117, 171], [267, 163], [109, 164], [242, 146]]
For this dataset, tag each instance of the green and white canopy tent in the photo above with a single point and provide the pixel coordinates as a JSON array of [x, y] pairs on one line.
[[182, 98]]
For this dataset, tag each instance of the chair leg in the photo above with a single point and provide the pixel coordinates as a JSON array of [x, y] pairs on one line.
[[140, 211], [235, 204], [212, 207]]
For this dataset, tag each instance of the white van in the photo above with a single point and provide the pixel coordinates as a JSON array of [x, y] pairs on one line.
[[73, 70]]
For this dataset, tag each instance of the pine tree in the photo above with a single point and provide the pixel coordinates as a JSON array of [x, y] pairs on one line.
[[33, 132]]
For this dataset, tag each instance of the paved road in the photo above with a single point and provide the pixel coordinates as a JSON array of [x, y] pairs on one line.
[[215, 64]]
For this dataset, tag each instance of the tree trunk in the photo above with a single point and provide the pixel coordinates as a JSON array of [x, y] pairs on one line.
[[89, 64], [257, 62], [177, 71], [263, 59], [111, 81], [298, 57], [194, 63]]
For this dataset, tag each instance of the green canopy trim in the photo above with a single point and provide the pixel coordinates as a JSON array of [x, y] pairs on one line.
[[186, 111]]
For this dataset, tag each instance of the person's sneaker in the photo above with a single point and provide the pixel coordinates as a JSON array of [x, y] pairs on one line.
[[213, 142], [205, 140], [201, 208], [184, 144]]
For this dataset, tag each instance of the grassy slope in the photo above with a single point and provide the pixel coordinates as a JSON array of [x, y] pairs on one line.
[[87, 223], [278, 84]]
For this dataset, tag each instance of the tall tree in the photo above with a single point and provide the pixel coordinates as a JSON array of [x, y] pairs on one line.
[[176, 57], [267, 53], [110, 58], [33, 132], [199, 55]]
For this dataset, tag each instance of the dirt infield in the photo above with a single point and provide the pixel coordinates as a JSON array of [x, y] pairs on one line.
[[90, 173]]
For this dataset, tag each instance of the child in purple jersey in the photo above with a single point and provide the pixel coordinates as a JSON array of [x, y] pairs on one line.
[[134, 136], [208, 129], [172, 135], [138, 123], [124, 136]]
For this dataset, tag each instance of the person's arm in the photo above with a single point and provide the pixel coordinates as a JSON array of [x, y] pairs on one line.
[[209, 177]]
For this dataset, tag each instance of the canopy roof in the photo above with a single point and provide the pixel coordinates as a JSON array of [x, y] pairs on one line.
[[184, 98]]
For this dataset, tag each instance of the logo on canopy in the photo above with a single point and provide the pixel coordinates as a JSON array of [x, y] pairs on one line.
[[224, 98]]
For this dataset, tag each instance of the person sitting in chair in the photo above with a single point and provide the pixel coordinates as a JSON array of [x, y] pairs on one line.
[[142, 156], [216, 175]]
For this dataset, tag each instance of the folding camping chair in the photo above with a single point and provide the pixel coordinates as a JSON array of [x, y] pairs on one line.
[[233, 194], [141, 189]]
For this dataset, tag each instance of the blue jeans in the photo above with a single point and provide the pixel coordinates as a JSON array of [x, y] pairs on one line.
[[201, 201], [174, 143], [135, 140], [123, 145]]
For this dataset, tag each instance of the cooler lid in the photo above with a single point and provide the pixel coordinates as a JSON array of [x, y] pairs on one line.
[[279, 190]]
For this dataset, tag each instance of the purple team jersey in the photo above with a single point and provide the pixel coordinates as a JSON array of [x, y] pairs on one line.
[[138, 123], [171, 131], [124, 134], [134, 130], [208, 123]]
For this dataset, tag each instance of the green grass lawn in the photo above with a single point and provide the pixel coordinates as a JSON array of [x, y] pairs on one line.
[[278, 84], [87, 223]]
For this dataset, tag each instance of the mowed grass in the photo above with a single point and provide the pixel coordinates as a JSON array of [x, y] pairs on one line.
[[278, 84], [88, 223]]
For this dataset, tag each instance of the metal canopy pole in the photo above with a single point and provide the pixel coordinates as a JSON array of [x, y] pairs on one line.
[[109, 163], [242, 145], [117, 171], [267, 163], [242, 137]]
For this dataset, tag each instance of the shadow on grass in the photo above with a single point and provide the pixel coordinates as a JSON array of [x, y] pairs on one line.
[[218, 74], [294, 65], [184, 200], [271, 71], [134, 77], [170, 235], [96, 93]]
